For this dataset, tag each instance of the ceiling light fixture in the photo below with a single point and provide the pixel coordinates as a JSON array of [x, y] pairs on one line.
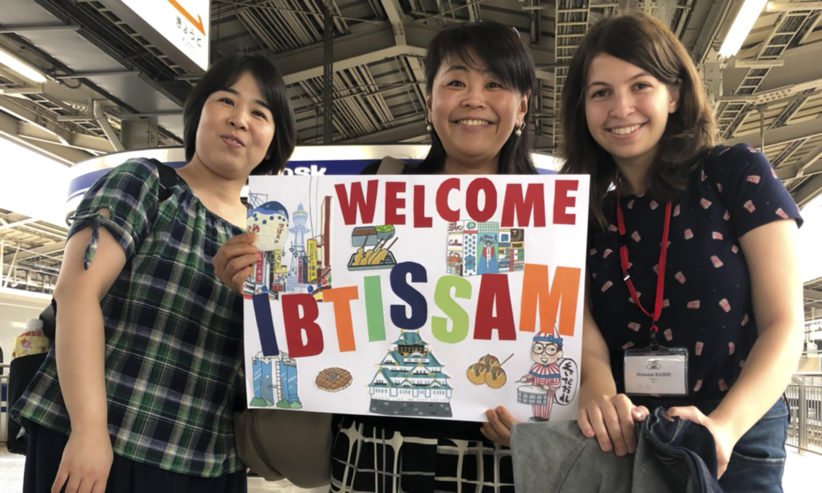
[[21, 68], [741, 27]]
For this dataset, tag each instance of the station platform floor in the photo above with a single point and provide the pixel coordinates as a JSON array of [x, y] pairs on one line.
[[801, 473]]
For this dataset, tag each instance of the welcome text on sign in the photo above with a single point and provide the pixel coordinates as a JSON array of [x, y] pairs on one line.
[[523, 205]]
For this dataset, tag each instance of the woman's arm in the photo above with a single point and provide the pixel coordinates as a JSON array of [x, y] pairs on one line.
[[776, 289], [80, 346], [603, 414]]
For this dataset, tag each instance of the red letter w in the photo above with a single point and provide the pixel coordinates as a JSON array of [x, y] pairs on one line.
[[357, 202]]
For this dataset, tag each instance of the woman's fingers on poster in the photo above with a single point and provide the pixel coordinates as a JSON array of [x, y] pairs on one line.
[[498, 427], [233, 260]]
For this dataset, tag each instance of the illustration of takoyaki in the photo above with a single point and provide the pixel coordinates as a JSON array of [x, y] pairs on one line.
[[488, 370]]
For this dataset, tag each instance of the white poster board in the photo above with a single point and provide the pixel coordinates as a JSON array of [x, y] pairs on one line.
[[423, 296]]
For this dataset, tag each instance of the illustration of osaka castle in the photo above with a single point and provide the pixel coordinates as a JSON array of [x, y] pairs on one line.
[[409, 381], [275, 381]]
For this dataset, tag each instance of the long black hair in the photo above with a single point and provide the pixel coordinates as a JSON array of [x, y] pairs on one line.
[[221, 76], [503, 52]]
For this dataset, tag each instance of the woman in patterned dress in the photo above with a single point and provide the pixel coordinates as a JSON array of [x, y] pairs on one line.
[[148, 341], [479, 78], [691, 246]]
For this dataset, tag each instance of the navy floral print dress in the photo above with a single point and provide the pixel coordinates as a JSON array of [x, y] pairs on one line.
[[707, 297]]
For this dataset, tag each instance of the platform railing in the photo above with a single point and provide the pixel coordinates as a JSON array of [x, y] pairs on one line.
[[804, 396], [4, 401]]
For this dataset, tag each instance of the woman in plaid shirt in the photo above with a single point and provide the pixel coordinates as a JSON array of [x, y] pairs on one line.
[[149, 342]]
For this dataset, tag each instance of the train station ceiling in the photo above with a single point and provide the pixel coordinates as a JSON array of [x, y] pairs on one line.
[[108, 88]]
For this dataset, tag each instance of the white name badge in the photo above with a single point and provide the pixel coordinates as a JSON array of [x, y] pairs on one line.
[[663, 371]]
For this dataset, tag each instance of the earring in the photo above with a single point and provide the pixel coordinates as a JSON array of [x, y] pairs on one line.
[[519, 129], [428, 126]]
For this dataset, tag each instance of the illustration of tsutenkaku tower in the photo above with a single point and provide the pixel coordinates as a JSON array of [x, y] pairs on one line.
[[298, 270]]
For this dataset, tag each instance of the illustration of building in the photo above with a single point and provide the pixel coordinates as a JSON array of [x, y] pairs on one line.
[[410, 381], [483, 248], [275, 381]]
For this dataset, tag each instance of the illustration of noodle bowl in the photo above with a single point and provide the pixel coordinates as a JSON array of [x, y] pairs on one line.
[[530, 394]]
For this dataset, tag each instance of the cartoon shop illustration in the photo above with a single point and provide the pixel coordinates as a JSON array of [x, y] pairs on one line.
[[410, 381], [484, 248], [301, 267], [551, 378], [275, 381]]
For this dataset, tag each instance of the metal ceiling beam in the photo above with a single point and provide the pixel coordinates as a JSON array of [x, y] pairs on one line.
[[355, 50], [55, 247], [16, 224], [377, 43], [27, 28], [708, 26], [72, 139], [792, 6], [811, 166], [396, 16], [29, 112], [811, 294], [393, 135], [10, 128], [393, 11], [807, 190], [38, 125], [780, 135], [58, 152]]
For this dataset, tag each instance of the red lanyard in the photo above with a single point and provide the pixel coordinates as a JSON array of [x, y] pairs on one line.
[[660, 274]]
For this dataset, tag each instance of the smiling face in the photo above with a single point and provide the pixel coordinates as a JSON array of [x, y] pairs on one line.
[[473, 113], [235, 130], [626, 110], [545, 353]]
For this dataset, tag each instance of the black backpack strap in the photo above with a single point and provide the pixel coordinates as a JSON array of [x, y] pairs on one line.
[[49, 318], [168, 178]]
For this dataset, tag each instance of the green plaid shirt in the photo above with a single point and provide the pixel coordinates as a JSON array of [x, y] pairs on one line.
[[173, 331]]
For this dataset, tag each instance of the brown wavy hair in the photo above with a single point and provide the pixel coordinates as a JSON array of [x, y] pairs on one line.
[[646, 42]]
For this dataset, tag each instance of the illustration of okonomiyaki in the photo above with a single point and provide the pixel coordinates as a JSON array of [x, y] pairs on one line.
[[410, 381], [474, 248]]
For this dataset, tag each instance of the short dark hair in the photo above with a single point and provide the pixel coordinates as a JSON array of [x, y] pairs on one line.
[[221, 76], [502, 50], [646, 42]]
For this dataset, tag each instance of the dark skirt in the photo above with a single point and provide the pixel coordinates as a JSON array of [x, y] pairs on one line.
[[388, 455], [44, 450]]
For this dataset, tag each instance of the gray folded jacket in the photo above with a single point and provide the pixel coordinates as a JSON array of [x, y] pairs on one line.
[[672, 455]]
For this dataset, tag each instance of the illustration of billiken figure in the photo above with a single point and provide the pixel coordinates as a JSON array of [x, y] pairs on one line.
[[544, 375], [488, 256]]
